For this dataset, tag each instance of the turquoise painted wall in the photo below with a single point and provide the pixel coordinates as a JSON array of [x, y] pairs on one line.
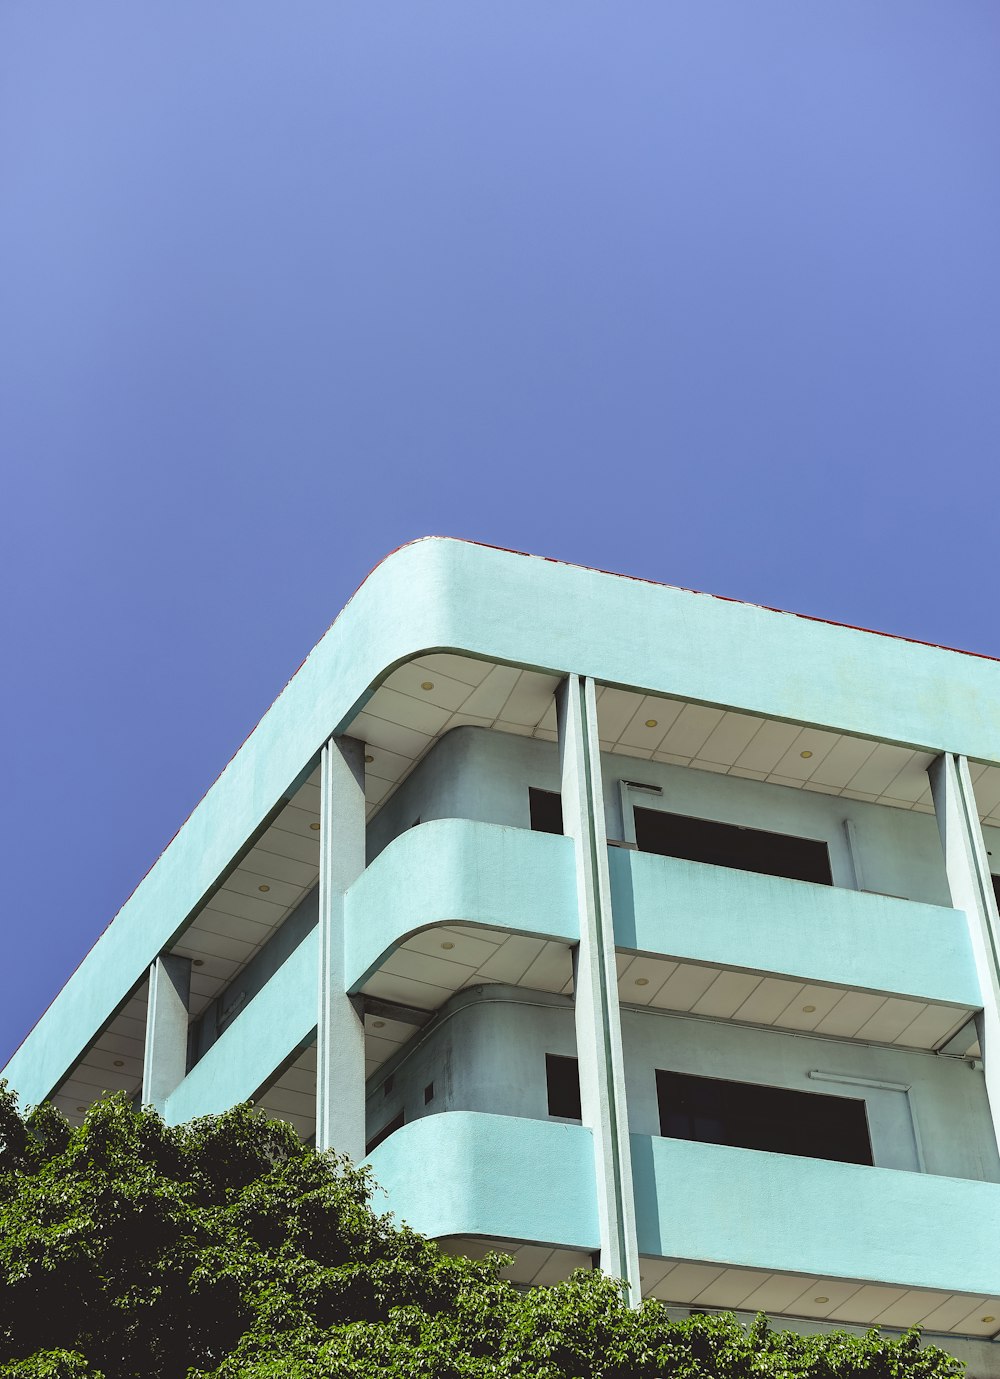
[[769, 923], [486, 1052], [469, 1173], [442, 594], [452, 871], [474, 773], [813, 1217], [279, 1019]]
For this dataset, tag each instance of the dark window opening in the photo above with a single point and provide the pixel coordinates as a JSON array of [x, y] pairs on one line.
[[428, 1093], [562, 1078], [811, 1124], [388, 1085], [996, 887], [729, 845], [390, 1128], [546, 811]]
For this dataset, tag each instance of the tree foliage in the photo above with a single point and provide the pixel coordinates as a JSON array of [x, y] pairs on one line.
[[227, 1249]]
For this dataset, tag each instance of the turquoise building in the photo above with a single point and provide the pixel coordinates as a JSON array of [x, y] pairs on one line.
[[615, 924]]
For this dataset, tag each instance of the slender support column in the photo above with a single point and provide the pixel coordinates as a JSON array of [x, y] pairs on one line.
[[598, 1018], [165, 1060], [971, 889], [340, 1047]]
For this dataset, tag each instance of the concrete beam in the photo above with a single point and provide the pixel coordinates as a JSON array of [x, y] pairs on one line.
[[165, 1060], [340, 1051], [971, 889], [595, 985]]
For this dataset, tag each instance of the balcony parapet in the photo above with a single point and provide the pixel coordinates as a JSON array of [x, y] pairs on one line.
[[456, 871], [721, 916], [777, 1212], [278, 1020], [503, 1177]]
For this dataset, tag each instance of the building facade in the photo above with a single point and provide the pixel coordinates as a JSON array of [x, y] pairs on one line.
[[616, 924]]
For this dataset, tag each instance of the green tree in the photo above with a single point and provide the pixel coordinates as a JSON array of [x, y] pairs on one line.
[[227, 1249]]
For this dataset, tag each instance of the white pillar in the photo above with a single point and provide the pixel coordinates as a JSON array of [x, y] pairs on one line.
[[971, 889], [340, 1036], [598, 1017], [165, 1059]]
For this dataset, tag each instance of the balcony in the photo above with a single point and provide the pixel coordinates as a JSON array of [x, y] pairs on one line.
[[768, 950], [501, 901], [814, 1238], [502, 1178]]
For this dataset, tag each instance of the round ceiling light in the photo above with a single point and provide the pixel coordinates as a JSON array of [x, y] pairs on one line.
[[652, 722], [805, 755], [369, 758], [314, 827], [264, 886], [119, 1062], [447, 945], [987, 1319], [808, 1010], [198, 962], [427, 684], [642, 981], [378, 1024], [821, 1298], [81, 1108]]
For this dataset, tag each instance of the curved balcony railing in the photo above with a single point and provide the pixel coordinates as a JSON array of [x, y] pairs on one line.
[[456, 871], [501, 1177]]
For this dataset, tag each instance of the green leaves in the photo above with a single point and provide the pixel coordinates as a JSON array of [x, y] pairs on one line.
[[227, 1249]]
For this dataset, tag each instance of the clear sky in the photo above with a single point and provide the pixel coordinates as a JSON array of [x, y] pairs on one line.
[[706, 291]]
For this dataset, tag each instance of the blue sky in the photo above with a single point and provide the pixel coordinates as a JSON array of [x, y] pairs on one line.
[[701, 290]]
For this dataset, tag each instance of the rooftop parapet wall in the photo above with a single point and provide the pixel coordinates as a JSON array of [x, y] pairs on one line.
[[441, 594]]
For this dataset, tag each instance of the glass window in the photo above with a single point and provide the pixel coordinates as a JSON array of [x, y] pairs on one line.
[[546, 811], [562, 1077], [749, 1116], [730, 845]]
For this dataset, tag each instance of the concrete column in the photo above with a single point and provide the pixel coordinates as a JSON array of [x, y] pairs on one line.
[[971, 889], [165, 1061], [340, 1049], [598, 1017]]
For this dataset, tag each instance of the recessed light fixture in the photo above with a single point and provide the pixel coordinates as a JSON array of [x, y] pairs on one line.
[[81, 1108], [263, 886], [447, 945], [821, 1298], [642, 981], [378, 1024], [808, 1010], [119, 1062], [652, 722], [369, 758], [805, 755], [314, 827], [198, 962], [987, 1319], [427, 684]]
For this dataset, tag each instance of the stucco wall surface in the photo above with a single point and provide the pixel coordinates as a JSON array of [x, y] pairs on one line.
[[474, 773], [465, 1173], [276, 1022], [769, 923], [815, 1218], [453, 871], [486, 1052], [447, 595]]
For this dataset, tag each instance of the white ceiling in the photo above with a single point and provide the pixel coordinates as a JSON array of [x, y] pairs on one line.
[[716, 1287], [431, 966], [112, 1063], [403, 719]]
